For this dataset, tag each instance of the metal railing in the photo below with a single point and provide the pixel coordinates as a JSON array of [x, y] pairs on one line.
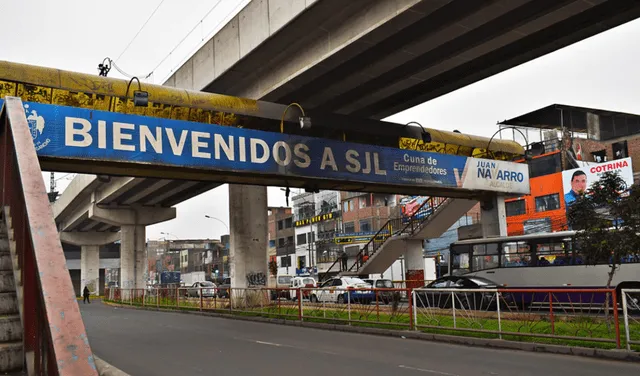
[[572, 317], [393, 227], [54, 337]]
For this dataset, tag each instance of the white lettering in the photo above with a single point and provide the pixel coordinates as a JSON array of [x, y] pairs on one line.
[[154, 141], [354, 163], [196, 144], [300, 151], [243, 151], [328, 159], [219, 142], [376, 165], [118, 136], [276, 153], [70, 132], [254, 142], [102, 134], [176, 147]]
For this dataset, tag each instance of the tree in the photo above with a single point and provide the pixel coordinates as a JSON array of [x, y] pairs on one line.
[[607, 220]]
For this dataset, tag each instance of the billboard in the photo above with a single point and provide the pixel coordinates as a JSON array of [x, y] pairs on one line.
[[580, 179], [91, 135]]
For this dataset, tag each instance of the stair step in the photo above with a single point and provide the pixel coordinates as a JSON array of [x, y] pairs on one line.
[[10, 328], [11, 357], [5, 262], [8, 303], [7, 282], [4, 243]]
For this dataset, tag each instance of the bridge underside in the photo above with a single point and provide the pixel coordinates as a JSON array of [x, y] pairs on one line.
[[424, 51]]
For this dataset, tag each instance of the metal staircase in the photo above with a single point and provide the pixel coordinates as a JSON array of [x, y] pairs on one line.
[[430, 220], [41, 330]]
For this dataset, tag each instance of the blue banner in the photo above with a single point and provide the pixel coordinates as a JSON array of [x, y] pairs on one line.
[[70, 132]]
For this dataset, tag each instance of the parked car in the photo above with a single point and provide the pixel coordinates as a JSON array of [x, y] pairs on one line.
[[224, 288], [384, 296], [206, 288], [302, 282], [343, 290], [468, 300], [283, 282]]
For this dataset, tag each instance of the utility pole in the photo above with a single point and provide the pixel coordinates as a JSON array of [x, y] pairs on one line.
[[53, 195]]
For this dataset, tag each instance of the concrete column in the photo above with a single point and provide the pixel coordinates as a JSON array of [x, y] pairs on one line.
[[249, 233], [133, 263], [90, 268], [493, 216], [414, 263]]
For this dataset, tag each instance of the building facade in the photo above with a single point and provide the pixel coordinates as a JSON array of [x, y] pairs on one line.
[[281, 238]]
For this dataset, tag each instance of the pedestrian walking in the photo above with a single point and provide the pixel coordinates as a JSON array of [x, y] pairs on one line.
[[343, 261], [86, 295]]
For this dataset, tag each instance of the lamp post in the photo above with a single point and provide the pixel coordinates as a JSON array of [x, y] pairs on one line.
[[170, 234], [219, 220]]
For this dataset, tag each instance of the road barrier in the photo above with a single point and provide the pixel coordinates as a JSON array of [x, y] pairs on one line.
[[575, 317]]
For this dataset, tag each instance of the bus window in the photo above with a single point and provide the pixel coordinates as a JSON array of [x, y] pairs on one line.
[[515, 254], [485, 256], [552, 254], [460, 259]]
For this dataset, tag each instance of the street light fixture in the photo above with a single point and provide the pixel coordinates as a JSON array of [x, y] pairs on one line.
[[219, 220], [170, 234]]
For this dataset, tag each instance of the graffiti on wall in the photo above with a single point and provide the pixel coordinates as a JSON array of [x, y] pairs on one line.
[[256, 279]]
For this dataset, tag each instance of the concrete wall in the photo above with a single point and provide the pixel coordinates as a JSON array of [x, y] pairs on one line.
[[75, 279]]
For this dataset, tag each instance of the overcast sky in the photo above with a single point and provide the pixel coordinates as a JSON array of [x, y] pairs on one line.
[[600, 72]]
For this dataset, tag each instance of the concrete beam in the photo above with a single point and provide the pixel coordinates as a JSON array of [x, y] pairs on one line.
[[131, 216], [147, 191], [160, 197], [74, 220], [114, 189], [80, 185], [89, 238]]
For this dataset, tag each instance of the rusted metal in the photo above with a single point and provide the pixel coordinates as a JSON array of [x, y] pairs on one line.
[[54, 334]]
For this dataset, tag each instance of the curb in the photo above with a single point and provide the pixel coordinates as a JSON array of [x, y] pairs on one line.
[[106, 369], [620, 355]]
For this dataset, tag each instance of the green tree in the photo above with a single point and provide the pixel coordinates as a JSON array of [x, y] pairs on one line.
[[607, 218]]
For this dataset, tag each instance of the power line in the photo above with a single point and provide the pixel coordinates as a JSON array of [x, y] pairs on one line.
[[139, 31]]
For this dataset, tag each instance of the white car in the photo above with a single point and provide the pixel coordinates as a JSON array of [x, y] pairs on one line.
[[302, 282], [338, 290], [208, 289]]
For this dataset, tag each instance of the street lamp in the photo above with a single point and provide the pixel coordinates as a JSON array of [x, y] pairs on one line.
[[170, 234], [219, 220]]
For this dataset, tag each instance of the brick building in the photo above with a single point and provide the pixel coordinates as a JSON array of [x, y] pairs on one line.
[[281, 235]]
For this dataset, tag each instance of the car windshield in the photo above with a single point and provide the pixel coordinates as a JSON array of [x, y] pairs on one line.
[[353, 281], [207, 283], [384, 283], [308, 281], [481, 281], [284, 280]]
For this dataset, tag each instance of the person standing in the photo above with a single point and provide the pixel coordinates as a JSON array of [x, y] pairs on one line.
[[343, 261], [86, 293]]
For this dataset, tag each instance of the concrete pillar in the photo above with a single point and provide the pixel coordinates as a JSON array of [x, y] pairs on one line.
[[133, 263], [90, 268], [249, 233], [493, 216], [414, 263]]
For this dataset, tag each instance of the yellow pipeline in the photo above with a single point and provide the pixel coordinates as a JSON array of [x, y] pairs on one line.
[[55, 86]]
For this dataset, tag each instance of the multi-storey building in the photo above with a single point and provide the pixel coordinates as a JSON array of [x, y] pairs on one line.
[[567, 137], [187, 256], [281, 237]]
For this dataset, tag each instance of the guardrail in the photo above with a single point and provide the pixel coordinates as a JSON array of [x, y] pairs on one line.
[[55, 341], [579, 317]]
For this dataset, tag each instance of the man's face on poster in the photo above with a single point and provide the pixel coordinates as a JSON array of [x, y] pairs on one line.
[[579, 183]]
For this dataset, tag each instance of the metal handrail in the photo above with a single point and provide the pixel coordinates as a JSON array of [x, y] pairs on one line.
[[55, 340], [388, 226]]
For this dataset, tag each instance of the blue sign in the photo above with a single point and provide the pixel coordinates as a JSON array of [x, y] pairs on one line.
[[77, 133]]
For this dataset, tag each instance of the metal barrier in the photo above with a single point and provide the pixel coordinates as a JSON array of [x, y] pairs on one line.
[[631, 314], [578, 317], [55, 341], [565, 314]]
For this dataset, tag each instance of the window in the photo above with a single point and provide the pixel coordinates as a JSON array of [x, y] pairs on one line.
[[365, 201], [365, 225], [285, 261], [349, 227], [599, 156], [302, 262], [516, 207], [288, 222], [548, 202], [620, 150], [301, 239], [545, 165], [515, 254], [280, 225], [289, 240], [460, 255], [485, 256], [280, 242]]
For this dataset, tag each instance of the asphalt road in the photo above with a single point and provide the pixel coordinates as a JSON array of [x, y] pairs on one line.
[[155, 343]]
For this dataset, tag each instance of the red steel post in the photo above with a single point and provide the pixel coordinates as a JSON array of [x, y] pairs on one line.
[[553, 326], [615, 316]]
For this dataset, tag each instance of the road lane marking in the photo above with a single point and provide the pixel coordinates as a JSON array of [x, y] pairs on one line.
[[269, 343], [427, 371]]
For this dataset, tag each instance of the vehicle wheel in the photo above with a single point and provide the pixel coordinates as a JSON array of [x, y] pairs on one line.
[[341, 299], [314, 299]]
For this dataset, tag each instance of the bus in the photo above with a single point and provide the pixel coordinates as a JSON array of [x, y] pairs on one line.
[[543, 260]]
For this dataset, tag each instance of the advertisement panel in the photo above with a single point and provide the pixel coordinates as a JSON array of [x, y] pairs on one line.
[[580, 179], [91, 135]]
